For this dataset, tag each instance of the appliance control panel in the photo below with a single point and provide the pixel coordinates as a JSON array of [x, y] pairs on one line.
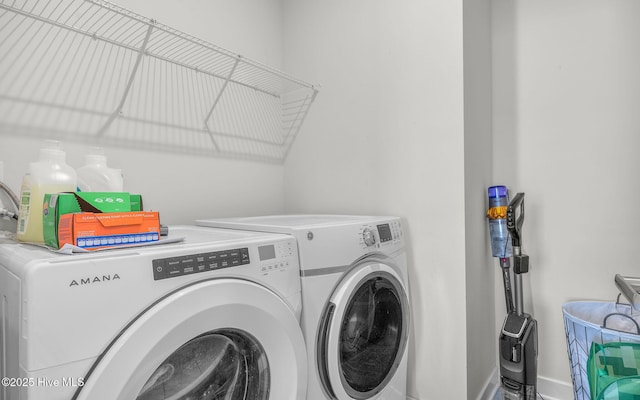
[[275, 257], [194, 263], [380, 234]]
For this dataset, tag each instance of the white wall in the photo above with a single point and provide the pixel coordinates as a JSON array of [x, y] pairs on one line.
[[567, 132], [183, 187], [251, 28], [386, 136], [478, 155], [399, 128]]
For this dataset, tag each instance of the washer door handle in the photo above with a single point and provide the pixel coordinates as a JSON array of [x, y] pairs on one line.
[[321, 349]]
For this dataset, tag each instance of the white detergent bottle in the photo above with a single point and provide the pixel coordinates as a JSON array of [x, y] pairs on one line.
[[50, 174], [96, 176]]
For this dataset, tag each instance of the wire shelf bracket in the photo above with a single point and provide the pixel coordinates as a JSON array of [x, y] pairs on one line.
[[91, 71]]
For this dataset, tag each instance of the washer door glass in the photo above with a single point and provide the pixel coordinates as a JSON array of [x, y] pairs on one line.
[[219, 365], [371, 336]]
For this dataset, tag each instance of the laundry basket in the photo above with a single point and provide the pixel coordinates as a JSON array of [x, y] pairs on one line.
[[588, 322], [614, 371]]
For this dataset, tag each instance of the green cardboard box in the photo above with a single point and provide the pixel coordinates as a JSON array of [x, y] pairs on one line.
[[58, 204], [136, 202]]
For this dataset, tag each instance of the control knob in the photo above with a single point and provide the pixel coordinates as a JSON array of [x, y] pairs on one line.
[[369, 237]]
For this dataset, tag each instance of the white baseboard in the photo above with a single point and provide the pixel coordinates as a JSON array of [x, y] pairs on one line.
[[549, 389], [491, 385], [552, 389]]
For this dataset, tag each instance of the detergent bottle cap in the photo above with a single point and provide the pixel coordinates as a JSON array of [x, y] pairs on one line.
[[95, 157], [52, 151], [96, 176]]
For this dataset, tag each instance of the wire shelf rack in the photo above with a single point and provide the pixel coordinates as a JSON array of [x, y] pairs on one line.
[[90, 71]]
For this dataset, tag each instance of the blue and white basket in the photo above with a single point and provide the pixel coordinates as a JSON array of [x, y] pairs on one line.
[[586, 322]]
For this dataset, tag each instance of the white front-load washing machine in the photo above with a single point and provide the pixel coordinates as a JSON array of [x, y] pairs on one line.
[[215, 316], [356, 314]]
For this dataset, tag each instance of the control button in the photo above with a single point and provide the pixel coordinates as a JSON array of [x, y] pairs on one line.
[[194, 263], [244, 256], [368, 237], [159, 271]]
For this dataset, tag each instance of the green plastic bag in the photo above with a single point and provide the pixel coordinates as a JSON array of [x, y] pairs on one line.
[[614, 371]]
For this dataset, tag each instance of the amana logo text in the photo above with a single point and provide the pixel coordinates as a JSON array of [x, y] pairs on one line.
[[94, 279]]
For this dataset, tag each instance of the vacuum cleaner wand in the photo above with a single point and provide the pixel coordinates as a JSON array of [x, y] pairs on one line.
[[519, 336], [520, 261], [506, 280]]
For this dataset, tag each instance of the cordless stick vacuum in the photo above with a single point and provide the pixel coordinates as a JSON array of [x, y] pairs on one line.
[[518, 342]]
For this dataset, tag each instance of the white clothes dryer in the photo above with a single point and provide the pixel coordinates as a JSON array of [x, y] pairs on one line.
[[356, 314], [215, 316]]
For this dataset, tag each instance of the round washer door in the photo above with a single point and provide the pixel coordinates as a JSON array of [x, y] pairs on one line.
[[218, 339], [363, 332]]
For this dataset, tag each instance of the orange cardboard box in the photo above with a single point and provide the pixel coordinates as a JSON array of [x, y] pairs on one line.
[[94, 230]]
